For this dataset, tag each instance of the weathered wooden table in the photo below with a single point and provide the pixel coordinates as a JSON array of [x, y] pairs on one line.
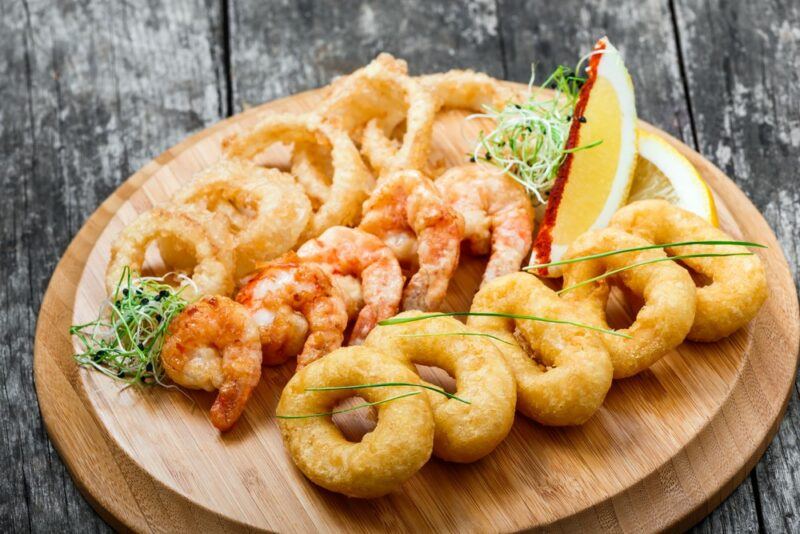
[[90, 91]]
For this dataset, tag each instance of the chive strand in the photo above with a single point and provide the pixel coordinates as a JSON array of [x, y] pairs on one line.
[[477, 334], [354, 408], [391, 384]]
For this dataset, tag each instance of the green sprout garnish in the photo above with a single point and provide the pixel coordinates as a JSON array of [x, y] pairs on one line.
[[618, 270], [354, 408], [529, 140], [391, 384], [125, 341], [402, 320]]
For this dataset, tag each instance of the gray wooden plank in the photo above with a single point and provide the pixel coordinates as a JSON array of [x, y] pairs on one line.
[[89, 92], [282, 47], [645, 35], [744, 87]]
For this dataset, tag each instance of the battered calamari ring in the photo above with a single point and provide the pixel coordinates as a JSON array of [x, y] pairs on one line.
[[202, 234], [667, 289], [464, 432], [397, 448], [351, 181], [738, 285], [565, 378], [381, 98], [266, 208], [467, 90]]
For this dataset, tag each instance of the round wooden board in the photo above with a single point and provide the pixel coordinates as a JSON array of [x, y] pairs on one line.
[[665, 449]]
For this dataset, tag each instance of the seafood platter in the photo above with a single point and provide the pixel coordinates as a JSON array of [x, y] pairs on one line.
[[441, 302]]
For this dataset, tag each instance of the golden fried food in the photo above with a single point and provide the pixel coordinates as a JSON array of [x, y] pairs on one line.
[[213, 345], [498, 216], [409, 214], [467, 90], [347, 253], [266, 208], [464, 432], [397, 448], [297, 309], [345, 190], [376, 102], [738, 285], [203, 237], [563, 372], [667, 289]]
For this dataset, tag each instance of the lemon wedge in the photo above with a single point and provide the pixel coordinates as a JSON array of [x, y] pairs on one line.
[[663, 172], [592, 183]]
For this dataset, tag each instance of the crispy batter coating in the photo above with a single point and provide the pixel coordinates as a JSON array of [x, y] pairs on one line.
[[667, 289], [266, 208], [563, 372], [464, 432], [214, 345], [397, 448], [373, 103], [738, 284], [467, 90], [351, 181], [203, 238], [408, 213]]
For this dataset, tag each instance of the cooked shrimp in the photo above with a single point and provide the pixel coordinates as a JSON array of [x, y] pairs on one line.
[[297, 310], [498, 215], [213, 345], [352, 253], [409, 214]]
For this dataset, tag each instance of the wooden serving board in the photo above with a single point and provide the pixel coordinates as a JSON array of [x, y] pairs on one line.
[[665, 449]]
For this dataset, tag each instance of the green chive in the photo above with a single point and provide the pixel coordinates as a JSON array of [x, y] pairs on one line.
[[389, 384], [481, 334], [354, 408]]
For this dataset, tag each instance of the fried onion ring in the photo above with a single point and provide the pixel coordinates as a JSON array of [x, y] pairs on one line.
[[202, 235], [397, 448], [563, 372], [738, 285], [667, 289], [266, 208], [464, 432], [351, 181], [380, 98]]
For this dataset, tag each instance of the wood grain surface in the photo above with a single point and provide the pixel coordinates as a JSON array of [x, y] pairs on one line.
[[91, 92], [666, 447]]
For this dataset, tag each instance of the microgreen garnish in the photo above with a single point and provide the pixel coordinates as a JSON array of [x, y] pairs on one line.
[[401, 320], [391, 384], [478, 334], [528, 142], [612, 272], [636, 249], [352, 409], [125, 341]]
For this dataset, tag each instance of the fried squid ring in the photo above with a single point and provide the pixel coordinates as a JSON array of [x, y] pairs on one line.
[[464, 432], [347, 253], [738, 285], [563, 372], [467, 90], [297, 309], [267, 210], [409, 214], [213, 345], [397, 448], [351, 181], [374, 102], [202, 235], [498, 215], [667, 289]]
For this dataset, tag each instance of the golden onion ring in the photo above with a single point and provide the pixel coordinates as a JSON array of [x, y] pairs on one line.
[[667, 289], [351, 181], [738, 285], [203, 238], [397, 448], [464, 432], [565, 378], [266, 208]]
